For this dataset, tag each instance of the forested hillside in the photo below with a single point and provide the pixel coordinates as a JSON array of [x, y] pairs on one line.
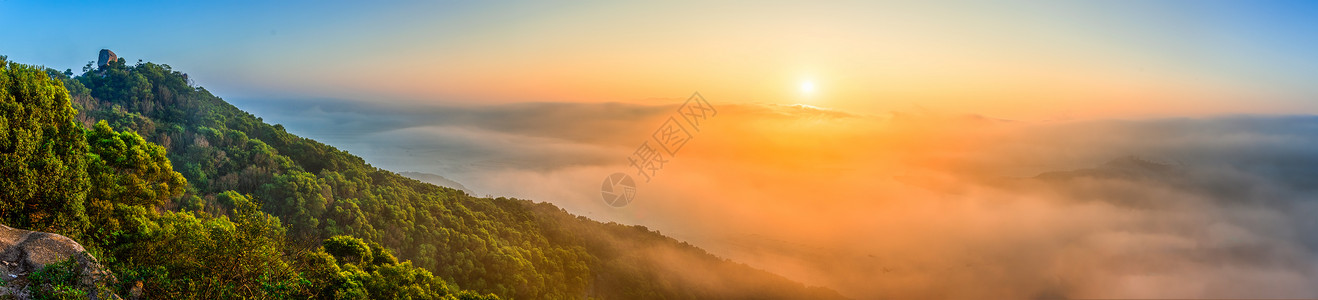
[[109, 190], [254, 211]]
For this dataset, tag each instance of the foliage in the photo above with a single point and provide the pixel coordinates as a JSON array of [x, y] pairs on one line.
[[56, 281], [231, 248], [348, 249], [41, 153], [198, 199], [344, 260], [142, 174]]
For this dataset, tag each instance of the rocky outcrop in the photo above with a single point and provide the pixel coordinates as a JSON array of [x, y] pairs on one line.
[[107, 56], [23, 252]]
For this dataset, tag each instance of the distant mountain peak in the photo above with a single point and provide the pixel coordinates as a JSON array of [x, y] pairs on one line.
[[1125, 167], [437, 180]]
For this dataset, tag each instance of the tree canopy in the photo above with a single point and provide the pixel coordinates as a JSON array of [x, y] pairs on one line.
[[109, 189], [190, 197]]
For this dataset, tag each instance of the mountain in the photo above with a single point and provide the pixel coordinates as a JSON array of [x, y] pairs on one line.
[[111, 191], [437, 180], [254, 211], [1128, 167]]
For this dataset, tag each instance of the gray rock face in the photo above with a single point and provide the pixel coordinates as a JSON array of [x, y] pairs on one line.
[[107, 56], [23, 252], [26, 251]]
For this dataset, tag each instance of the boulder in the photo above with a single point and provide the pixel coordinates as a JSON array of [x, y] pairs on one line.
[[23, 252], [106, 57]]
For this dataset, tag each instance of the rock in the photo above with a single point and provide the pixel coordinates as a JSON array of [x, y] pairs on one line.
[[136, 291], [107, 56], [23, 252]]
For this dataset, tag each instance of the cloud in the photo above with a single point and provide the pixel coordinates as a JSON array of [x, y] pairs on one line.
[[927, 206], [904, 205]]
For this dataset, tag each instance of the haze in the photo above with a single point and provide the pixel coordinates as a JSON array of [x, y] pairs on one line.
[[1113, 149]]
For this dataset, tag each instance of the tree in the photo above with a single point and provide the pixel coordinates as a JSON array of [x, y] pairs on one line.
[[129, 169], [42, 176], [51, 167], [348, 249], [298, 197]]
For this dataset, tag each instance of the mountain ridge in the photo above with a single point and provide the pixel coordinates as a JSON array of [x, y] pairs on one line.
[[508, 247], [438, 180]]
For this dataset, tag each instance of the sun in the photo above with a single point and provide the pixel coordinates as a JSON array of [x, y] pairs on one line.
[[807, 88]]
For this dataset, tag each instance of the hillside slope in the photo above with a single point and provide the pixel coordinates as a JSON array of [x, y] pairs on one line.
[[510, 247], [108, 189]]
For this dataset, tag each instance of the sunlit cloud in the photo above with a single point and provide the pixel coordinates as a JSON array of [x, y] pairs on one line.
[[903, 204], [1007, 149]]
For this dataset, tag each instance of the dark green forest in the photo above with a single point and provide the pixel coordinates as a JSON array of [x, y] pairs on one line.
[[181, 193]]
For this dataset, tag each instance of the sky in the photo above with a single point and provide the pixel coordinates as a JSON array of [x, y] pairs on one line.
[[1105, 149], [1018, 60]]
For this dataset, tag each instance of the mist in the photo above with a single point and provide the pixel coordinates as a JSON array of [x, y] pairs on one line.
[[904, 204]]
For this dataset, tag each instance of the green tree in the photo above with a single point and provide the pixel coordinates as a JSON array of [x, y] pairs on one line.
[[235, 162], [186, 255], [347, 249], [299, 198], [125, 172], [132, 171], [43, 180], [52, 167]]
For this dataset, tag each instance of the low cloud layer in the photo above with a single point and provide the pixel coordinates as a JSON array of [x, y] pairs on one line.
[[905, 205]]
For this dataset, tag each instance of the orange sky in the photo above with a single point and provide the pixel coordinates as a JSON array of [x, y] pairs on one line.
[[1013, 59], [907, 169], [1008, 60]]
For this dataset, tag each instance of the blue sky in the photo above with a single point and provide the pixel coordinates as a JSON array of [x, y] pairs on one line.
[[439, 87]]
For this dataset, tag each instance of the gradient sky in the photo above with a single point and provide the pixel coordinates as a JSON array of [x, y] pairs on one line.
[[909, 170], [1007, 59]]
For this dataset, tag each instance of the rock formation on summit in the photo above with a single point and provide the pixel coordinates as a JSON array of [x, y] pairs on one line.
[[106, 57]]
